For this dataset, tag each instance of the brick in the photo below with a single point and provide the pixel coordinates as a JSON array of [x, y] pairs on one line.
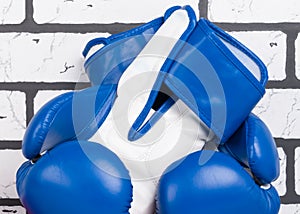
[[10, 161], [280, 183], [297, 170], [12, 115], [268, 11], [93, 11], [270, 46], [47, 57], [12, 209], [12, 11], [297, 52], [289, 209], [43, 97], [280, 110]]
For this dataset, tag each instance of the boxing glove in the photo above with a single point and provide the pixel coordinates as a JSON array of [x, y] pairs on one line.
[[75, 177], [60, 122], [65, 173], [191, 78], [234, 181]]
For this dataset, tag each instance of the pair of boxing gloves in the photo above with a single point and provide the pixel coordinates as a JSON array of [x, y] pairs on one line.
[[170, 109]]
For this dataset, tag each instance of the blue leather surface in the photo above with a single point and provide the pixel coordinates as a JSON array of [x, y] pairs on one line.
[[254, 146], [75, 177], [214, 89], [78, 115], [213, 82], [221, 185], [74, 115], [108, 64], [138, 130]]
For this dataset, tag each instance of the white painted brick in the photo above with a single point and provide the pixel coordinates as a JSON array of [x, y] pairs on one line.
[[270, 46], [269, 11], [12, 11], [13, 209], [95, 11], [10, 161], [280, 110], [43, 57], [280, 183], [289, 209], [12, 114], [297, 170], [43, 97], [297, 44]]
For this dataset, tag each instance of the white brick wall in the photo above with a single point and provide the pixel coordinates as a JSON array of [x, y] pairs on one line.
[[270, 46], [43, 57], [280, 109], [12, 115], [12, 11], [271, 11], [297, 44], [95, 11]]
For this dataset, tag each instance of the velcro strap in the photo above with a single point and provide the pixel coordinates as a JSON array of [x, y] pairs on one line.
[[217, 82]]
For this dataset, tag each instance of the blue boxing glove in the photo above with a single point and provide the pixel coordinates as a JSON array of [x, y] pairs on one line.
[[207, 71], [236, 181], [65, 173], [200, 93]]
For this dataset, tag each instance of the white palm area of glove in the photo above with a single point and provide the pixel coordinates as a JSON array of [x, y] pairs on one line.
[[179, 131], [177, 134]]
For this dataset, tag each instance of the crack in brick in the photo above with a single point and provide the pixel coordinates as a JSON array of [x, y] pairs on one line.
[[9, 211], [51, 54], [238, 7], [36, 40], [67, 68], [272, 59], [12, 109], [272, 44], [6, 58], [6, 187], [277, 35], [261, 109], [289, 122], [250, 5], [6, 65], [5, 10], [280, 182], [16, 36]]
